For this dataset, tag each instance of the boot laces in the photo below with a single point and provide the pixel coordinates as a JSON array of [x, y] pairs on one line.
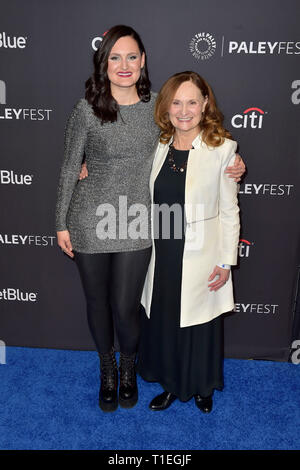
[[127, 369], [108, 369]]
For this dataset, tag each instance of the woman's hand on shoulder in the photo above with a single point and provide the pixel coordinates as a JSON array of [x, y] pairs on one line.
[[83, 172], [64, 242], [237, 170], [223, 276]]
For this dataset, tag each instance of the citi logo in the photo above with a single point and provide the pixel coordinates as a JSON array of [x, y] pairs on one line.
[[10, 177], [17, 295], [251, 117], [96, 42], [12, 42], [244, 248]]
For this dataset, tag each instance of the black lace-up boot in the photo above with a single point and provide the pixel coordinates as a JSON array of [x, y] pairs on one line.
[[128, 392], [108, 394]]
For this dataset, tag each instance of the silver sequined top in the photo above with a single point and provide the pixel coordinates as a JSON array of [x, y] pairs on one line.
[[100, 211]]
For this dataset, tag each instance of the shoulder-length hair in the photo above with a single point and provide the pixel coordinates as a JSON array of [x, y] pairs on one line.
[[211, 125], [98, 92]]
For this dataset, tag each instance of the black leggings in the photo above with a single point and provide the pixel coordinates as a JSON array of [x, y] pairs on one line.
[[113, 284]]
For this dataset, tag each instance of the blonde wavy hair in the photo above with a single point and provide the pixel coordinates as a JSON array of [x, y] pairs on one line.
[[211, 125]]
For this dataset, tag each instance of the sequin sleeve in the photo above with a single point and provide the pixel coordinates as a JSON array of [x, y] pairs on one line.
[[74, 144]]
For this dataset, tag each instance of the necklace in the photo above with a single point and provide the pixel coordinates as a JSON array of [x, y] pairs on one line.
[[171, 161]]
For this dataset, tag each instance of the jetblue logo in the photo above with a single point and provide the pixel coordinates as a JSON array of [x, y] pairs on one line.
[[12, 42], [10, 177], [12, 294]]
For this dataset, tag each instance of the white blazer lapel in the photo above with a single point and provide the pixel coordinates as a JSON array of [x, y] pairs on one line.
[[159, 158]]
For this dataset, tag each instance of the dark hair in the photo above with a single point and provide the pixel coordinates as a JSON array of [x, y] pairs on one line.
[[98, 92], [211, 124]]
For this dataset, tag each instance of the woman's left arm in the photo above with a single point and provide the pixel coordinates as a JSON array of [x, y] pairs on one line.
[[228, 213], [229, 224]]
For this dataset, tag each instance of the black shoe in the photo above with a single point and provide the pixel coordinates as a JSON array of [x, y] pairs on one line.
[[162, 401], [204, 404], [108, 394], [128, 392]]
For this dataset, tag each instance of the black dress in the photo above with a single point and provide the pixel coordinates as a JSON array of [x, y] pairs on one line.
[[185, 361]]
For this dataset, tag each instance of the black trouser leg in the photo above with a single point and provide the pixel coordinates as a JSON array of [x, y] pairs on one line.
[[128, 276], [127, 280], [113, 281], [95, 271]]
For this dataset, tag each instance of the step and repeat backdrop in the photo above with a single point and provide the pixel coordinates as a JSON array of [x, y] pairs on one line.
[[249, 52]]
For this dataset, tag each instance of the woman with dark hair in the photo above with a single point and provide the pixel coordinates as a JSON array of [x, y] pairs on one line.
[[188, 285], [114, 127]]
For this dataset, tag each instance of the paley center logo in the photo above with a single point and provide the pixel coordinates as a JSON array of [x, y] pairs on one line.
[[27, 240], [266, 189], [12, 42], [261, 47], [244, 248], [256, 308], [31, 114], [251, 117], [203, 46]]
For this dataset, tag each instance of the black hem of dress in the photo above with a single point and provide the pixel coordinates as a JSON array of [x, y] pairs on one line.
[[169, 389]]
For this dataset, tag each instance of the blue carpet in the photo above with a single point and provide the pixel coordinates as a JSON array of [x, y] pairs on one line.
[[49, 401]]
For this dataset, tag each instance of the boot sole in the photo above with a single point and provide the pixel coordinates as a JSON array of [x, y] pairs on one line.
[[108, 407], [130, 402]]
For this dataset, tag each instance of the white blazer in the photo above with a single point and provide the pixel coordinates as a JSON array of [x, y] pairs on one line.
[[212, 231]]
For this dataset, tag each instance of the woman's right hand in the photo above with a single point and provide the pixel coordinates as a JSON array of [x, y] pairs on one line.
[[83, 172], [64, 242]]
